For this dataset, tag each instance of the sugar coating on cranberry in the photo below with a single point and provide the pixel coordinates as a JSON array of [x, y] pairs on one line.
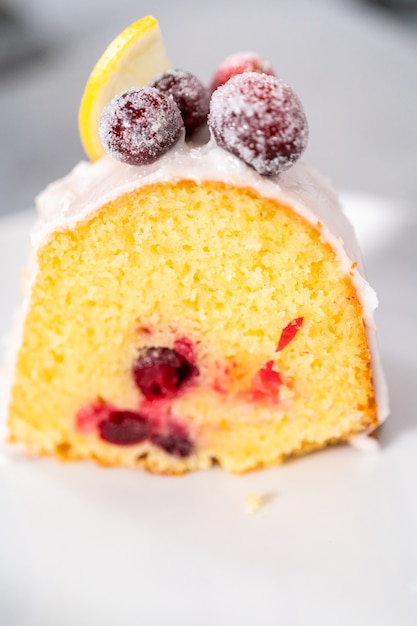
[[237, 64], [161, 372], [190, 95], [124, 428], [140, 125], [259, 119], [175, 441]]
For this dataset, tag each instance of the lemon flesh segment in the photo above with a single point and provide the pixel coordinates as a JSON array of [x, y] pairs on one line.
[[132, 59]]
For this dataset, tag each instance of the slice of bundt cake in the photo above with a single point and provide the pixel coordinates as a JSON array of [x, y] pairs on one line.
[[194, 303]]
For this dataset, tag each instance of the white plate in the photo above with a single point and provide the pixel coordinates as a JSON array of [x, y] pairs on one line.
[[334, 544]]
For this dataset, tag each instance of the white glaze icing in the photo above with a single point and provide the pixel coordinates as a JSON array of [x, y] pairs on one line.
[[89, 186]]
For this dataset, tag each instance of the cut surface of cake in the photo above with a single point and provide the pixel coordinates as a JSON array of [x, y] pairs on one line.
[[194, 310]]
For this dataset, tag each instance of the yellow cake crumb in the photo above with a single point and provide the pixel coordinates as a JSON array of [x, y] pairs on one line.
[[253, 503]]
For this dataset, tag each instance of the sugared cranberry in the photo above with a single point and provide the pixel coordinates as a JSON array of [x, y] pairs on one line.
[[175, 441], [161, 372], [190, 95], [259, 119], [124, 428], [237, 64], [140, 125]]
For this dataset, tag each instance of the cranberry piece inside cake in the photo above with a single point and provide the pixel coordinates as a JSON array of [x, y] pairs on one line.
[[125, 428], [161, 372], [175, 441]]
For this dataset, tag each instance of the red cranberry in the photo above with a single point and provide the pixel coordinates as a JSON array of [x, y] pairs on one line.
[[124, 428], [237, 64], [140, 125], [289, 333], [185, 348], [259, 119], [161, 372], [175, 441], [266, 383], [190, 95], [90, 416]]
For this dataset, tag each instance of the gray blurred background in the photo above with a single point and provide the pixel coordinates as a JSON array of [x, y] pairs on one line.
[[352, 62]]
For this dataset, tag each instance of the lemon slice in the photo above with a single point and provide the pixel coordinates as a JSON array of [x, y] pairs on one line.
[[135, 56]]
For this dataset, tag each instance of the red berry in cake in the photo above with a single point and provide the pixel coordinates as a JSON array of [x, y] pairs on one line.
[[174, 441], [161, 372], [125, 428], [185, 348], [237, 64], [90, 416], [190, 95], [140, 125], [266, 383], [289, 333], [259, 119]]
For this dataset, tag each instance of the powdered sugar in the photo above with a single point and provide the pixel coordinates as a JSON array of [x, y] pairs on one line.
[[259, 119], [140, 125]]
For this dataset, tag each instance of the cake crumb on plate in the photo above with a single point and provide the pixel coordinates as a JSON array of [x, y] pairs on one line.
[[253, 503]]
